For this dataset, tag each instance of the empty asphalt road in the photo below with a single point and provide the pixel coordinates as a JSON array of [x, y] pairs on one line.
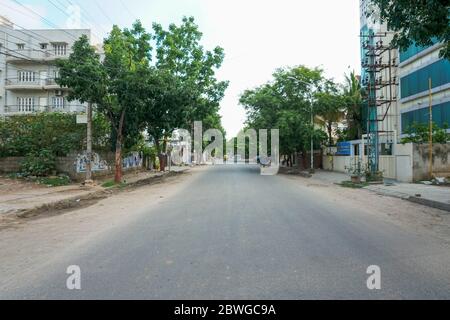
[[231, 233]]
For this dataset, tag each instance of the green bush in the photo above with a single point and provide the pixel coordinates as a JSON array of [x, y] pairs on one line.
[[39, 164], [57, 132], [420, 133], [55, 181]]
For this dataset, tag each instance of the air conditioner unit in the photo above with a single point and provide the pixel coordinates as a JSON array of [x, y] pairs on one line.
[[58, 93]]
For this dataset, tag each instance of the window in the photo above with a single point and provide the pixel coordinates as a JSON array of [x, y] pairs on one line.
[[415, 49], [441, 116], [44, 46], [26, 76], [20, 46], [58, 103], [25, 104], [417, 82], [60, 49]]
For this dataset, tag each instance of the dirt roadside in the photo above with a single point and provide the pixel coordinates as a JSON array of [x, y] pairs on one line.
[[44, 202], [420, 218], [31, 243]]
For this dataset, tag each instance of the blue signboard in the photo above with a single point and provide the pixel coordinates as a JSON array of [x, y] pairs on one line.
[[344, 149]]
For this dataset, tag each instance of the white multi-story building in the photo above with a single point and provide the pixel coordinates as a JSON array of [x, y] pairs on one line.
[[28, 71]]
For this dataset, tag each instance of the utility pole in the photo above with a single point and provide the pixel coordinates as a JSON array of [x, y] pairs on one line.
[[89, 145], [431, 129], [312, 134]]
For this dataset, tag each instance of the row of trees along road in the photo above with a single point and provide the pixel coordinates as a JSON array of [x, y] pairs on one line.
[[155, 82], [286, 103]]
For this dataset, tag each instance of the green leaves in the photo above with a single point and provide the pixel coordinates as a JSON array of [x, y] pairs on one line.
[[417, 22], [186, 89], [420, 133], [39, 163], [285, 104], [135, 94], [56, 132], [83, 73]]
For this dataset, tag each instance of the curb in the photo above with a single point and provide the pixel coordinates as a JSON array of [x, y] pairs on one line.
[[425, 202], [430, 203]]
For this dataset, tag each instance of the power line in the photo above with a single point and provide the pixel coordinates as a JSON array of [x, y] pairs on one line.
[[14, 9], [31, 31], [103, 13], [45, 20], [39, 48], [64, 12], [87, 14], [129, 11]]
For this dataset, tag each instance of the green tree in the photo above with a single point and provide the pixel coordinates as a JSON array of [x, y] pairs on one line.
[[285, 104], [83, 73], [353, 97], [127, 64], [329, 109], [192, 91], [417, 21]]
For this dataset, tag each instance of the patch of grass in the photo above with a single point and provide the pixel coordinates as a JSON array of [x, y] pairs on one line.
[[54, 181], [14, 176], [112, 184], [349, 184]]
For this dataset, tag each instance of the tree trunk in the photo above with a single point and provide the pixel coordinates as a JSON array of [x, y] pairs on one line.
[[118, 160], [160, 155], [89, 145], [330, 134]]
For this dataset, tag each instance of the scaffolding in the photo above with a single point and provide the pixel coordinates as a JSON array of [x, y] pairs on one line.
[[380, 86]]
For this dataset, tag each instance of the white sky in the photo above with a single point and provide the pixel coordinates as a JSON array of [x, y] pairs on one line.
[[258, 35]]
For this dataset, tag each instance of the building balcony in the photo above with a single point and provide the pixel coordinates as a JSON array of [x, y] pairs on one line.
[[23, 110], [16, 109], [18, 84], [38, 84], [31, 56], [67, 108], [50, 84]]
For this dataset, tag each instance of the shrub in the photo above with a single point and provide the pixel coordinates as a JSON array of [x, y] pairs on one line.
[[55, 181], [57, 132], [420, 133], [38, 164]]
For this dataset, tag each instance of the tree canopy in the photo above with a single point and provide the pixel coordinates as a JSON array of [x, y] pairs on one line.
[[138, 94], [418, 21], [285, 103]]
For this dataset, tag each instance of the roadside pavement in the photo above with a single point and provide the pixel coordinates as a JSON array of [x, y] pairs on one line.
[[432, 196], [20, 197]]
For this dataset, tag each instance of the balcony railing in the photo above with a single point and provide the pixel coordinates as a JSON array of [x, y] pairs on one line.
[[21, 82], [35, 55], [17, 83], [20, 109], [67, 108], [51, 82], [16, 109]]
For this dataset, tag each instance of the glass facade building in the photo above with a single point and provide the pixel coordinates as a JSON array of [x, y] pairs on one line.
[[414, 87], [418, 81], [441, 116]]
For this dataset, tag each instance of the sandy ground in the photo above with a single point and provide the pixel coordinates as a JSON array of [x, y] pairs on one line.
[[37, 242]]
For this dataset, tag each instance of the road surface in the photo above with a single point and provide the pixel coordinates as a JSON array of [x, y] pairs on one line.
[[231, 233]]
